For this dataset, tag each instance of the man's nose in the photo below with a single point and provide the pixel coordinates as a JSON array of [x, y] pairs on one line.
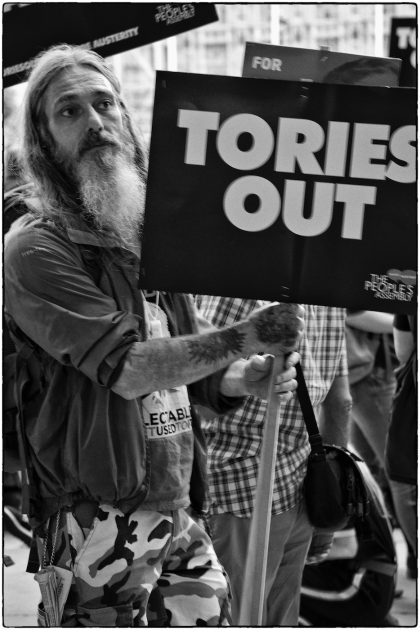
[[94, 121]]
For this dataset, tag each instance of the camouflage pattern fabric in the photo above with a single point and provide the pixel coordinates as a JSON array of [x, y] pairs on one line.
[[121, 559]]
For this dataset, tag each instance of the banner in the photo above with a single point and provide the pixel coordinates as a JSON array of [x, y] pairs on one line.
[[266, 61], [282, 190], [403, 44], [106, 27]]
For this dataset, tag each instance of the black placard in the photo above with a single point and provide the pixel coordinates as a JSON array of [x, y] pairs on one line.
[[403, 44], [230, 210], [288, 63], [106, 27]]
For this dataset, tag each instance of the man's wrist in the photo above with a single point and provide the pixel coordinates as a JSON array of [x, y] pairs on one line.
[[232, 383]]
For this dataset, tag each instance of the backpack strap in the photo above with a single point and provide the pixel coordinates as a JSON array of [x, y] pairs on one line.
[[380, 566], [25, 352]]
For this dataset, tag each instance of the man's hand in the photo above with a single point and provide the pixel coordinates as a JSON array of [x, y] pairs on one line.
[[257, 372], [251, 377], [278, 327], [320, 546]]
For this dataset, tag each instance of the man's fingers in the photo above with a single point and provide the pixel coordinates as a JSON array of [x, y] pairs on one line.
[[285, 396], [261, 363], [284, 388], [292, 359], [285, 376]]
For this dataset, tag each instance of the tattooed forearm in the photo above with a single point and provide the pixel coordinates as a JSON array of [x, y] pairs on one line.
[[272, 328], [217, 347]]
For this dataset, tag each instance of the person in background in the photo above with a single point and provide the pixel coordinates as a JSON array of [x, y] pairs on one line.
[[234, 443], [401, 446], [13, 176], [404, 330], [355, 586], [372, 361], [115, 452]]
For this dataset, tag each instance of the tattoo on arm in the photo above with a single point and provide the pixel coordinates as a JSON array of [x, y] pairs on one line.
[[217, 347], [271, 328]]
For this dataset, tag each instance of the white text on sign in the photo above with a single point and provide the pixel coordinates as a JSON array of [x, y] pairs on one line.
[[267, 63], [407, 38], [351, 150]]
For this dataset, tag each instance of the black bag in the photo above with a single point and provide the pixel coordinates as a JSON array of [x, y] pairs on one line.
[[334, 488], [354, 591], [401, 443]]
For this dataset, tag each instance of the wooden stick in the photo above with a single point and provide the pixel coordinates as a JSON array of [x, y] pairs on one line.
[[252, 600]]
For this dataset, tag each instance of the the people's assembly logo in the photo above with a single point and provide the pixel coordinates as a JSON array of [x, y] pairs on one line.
[[170, 13], [394, 285]]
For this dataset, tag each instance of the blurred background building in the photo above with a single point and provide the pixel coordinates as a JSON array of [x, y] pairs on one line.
[[218, 48]]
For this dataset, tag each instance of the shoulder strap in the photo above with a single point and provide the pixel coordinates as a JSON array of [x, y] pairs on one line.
[[25, 351], [23, 355], [315, 438]]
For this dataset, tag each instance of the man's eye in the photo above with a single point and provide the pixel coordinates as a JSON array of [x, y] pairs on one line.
[[68, 112], [106, 104]]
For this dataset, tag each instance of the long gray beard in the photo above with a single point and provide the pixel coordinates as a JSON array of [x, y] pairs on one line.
[[112, 193]]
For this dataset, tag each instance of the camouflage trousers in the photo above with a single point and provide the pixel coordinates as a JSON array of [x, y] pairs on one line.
[[121, 560]]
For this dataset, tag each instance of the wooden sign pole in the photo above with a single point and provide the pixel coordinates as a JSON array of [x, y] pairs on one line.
[[252, 600]]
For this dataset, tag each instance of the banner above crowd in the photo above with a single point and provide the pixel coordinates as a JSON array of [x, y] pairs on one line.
[[282, 190], [106, 27], [403, 44], [267, 61]]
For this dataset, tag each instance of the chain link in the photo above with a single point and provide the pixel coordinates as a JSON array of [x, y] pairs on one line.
[[54, 542]]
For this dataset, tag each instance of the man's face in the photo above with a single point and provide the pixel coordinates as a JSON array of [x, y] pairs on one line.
[[93, 145], [83, 115]]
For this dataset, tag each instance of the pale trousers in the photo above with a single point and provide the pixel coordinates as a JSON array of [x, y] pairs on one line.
[[290, 537]]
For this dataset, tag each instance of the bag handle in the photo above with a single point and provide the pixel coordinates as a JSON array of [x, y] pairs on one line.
[[315, 438]]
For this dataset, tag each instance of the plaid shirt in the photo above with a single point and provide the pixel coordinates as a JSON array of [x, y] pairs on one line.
[[234, 439]]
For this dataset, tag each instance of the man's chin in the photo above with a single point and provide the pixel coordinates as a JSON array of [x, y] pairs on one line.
[[101, 150]]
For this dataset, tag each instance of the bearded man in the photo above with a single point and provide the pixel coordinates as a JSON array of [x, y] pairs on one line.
[[107, 374]]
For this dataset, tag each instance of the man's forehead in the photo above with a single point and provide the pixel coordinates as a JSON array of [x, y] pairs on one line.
[[76, 81]]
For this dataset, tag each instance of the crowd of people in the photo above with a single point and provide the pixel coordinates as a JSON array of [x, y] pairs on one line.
[[140, 413]]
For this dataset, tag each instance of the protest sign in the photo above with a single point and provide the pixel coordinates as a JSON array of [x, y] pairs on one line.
[[282, 190], [266, 61], [106, 27], [403, 44]]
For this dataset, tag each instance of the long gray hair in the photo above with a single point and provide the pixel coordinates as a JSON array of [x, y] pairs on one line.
[[54, 187]]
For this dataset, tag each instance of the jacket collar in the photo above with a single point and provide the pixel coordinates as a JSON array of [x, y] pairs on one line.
[[79, 233]]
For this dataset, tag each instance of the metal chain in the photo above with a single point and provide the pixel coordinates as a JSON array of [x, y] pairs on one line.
[[54, 542]]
